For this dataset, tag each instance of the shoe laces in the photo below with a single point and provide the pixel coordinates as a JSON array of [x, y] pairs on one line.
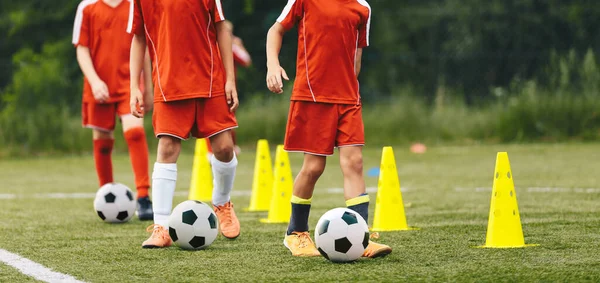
[[303, 239], [158, 231], [374, 236], [226, 210]]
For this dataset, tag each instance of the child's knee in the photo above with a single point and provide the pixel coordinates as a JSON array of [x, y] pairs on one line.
[[313, 171], [353, 163], [168, 148]]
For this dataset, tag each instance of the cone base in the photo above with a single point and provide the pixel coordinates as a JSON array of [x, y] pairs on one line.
[[395, 229], [273, 221], [508, 247]]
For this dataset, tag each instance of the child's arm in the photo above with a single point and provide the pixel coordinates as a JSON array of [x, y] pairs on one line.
[[224, 40], [99, 88], [358, 62], [148, 87], [136, 63], [274, 70]]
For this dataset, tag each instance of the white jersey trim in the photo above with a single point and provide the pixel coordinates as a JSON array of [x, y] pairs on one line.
[[364, 3], [306, 58], [131, 15], [355, 57], [286, 10], [79, 19], [220, 9], [156, 63], [212, 60]]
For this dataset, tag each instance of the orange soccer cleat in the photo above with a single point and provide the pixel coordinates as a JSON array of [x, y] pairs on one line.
[[300, 244], [159, 239], [374, 250]]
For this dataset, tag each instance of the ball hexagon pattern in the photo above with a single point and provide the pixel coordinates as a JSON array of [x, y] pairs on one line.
[[341, 235], [114, 203], [193, 225]]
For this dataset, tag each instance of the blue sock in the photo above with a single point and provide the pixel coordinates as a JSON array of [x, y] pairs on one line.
[[360, 204], [300, 213]]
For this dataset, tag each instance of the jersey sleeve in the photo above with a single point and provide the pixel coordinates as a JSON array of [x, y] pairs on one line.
[[135, 25], [241, 56], [292, 14], [217, 11], [81, 27], [364, 27]]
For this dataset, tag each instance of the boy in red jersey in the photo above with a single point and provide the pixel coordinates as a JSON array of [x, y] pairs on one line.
[[326, 110], [103, 55], [195, 93], [241, 58]]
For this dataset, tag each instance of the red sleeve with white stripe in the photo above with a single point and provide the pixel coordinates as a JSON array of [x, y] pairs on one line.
[[241, 56], [292, 14], [136, 20], [217, 11], [364, 28], [81, 28]]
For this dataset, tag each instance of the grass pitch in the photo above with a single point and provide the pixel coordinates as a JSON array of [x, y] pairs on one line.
[[446, 193]]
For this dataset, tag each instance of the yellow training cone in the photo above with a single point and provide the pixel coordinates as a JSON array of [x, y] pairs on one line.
[[389, 208], [201, 186], [262, 184], [280, 208], [504, 224]]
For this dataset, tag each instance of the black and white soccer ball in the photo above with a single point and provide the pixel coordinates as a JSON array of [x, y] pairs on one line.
[[341, 235], [114, 203], [193, 225]]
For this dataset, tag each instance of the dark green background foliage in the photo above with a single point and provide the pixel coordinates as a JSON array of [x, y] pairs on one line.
[[441, 60]]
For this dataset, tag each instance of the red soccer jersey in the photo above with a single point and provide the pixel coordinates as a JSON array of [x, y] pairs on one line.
[[101, 28], [182, 40], [329, 33]]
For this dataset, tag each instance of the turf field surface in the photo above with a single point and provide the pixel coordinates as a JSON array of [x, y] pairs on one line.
[[446, 194]]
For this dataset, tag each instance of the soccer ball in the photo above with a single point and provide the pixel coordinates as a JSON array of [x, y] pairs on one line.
[[193, 225], [341, 235], [114, 203]]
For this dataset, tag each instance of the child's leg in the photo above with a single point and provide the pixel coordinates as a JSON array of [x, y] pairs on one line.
[[135, 136], [351, 162], [164, 178], [224, 163], [356, 197], [304, 185], [103, 146]]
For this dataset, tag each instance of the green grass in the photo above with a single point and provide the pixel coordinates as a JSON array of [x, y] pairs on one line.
[[67, 236]]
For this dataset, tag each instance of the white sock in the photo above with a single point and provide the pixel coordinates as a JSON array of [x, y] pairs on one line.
[[223, 175], [164, 178]]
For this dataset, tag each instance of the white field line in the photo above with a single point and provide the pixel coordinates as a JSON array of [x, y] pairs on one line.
[[535, 190], [35, 270], [7, 196], [177, 193], [235, 193]]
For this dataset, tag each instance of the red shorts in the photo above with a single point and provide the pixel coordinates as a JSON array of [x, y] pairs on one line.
[[102, 116], [317, 128], [200, 117]]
